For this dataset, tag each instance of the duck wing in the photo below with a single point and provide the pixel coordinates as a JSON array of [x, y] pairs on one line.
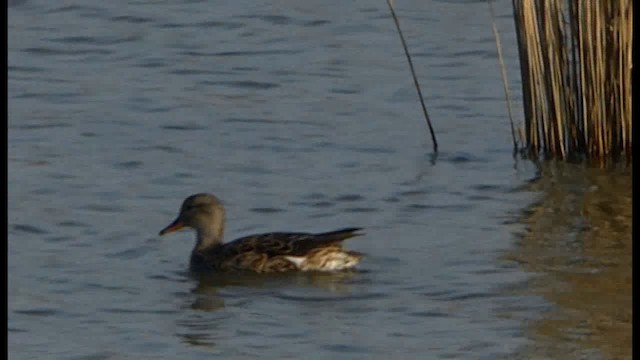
[[287, 243]]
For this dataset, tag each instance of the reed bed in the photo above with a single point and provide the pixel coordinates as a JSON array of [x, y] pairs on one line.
[[575, 63]]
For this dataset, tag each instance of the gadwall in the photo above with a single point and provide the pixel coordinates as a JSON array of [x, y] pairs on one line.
[[270, 252]]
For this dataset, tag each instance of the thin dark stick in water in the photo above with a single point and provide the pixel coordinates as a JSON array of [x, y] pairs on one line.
[[413, 73], [504, 75]]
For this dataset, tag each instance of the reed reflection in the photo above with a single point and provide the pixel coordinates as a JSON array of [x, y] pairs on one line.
[[578, 245]]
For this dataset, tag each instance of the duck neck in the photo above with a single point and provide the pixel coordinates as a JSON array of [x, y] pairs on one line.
[[211, 235], [206, 239], [209, 230]]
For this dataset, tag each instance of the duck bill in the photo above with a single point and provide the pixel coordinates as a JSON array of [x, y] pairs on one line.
[[176, 225]]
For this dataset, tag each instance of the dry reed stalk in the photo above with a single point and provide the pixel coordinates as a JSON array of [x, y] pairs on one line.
[[503, 71]]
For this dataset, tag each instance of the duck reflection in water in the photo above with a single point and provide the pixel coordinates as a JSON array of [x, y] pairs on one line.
[[206, 294], [203, 327]]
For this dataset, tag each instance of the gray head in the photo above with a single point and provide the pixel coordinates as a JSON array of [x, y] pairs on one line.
[[202, 212]]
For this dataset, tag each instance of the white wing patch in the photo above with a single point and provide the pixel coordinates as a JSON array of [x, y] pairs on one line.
[[296, 260]]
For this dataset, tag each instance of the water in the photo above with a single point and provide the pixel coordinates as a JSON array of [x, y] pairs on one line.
[[301, 116]]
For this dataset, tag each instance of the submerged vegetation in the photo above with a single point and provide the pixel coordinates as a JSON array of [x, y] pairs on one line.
[[575, 63]]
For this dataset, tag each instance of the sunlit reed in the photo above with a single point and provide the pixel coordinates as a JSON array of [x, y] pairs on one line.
[[575, 63]]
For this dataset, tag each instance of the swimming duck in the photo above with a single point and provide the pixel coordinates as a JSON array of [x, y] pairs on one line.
[[270, 252]]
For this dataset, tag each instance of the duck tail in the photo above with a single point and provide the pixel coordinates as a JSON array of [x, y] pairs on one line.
[[340, 235]]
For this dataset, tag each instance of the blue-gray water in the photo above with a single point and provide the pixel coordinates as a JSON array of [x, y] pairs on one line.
[[302, 116]]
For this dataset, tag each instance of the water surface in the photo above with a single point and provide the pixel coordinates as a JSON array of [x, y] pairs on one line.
[[300, 116]]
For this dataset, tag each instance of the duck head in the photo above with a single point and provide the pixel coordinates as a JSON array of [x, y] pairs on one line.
[[205, 214]]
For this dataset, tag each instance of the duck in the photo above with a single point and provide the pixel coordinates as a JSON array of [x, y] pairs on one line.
[[260, 253]]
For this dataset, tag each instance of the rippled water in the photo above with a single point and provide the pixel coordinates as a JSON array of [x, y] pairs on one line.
[[300, 116]]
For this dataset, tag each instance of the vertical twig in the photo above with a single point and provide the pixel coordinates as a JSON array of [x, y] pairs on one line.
[[413, 73]]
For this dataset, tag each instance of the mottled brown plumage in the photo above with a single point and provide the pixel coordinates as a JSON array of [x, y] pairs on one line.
[[270, 252]]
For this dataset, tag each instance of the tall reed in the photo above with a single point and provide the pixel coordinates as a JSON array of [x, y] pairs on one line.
[[575, 63]]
